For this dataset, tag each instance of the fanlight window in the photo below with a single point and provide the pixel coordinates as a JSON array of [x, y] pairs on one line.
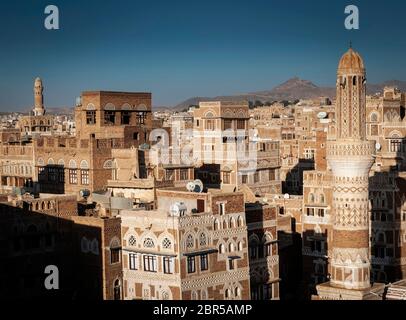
[[72, 164], [322, 200], [203, 240], [108, 164], [166, 243], [149, 243], [189, 241], [132, 241], [84, 164]]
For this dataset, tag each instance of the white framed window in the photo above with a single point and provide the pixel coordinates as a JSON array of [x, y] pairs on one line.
[[133, 261], [168, 263], [150, 263]]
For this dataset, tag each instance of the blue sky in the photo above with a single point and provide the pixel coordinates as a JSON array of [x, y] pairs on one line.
[[177, 49]]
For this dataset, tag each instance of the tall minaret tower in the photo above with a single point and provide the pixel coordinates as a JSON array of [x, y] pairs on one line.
[[39, 109], [350, 157]]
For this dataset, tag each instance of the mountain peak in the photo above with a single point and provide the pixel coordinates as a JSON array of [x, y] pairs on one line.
[[294, 83]]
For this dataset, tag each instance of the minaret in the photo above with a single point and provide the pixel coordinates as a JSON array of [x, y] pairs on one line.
[[39, 109], [350, 158]]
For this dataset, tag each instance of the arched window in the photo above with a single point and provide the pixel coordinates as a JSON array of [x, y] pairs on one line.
[[165, 295], [240, 246], [149, 243], [237, 292], [228, 294], [94, 247], [132, 241], [232, 223], [84, 164], [190, 242], [84, 245], [73, 164], [216, 225], [117, 290], [231, 247], [253, 248], [221, 249], [166, 243], [374, 117], [224, 224], [108, 164], [194, 295], [239, 222], [311, 198], [203, 239], [322, 200], [203, 295]]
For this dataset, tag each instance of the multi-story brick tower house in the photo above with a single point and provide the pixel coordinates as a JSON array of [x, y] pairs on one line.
[[227, 153], [350, 157]]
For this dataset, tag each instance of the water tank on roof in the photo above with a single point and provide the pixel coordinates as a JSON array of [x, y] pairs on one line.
[[178, 209]]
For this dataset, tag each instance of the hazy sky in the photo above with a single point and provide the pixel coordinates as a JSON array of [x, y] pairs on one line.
[[178, 49]]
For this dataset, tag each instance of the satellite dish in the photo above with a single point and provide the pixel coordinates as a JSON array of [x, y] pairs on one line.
[[198, 186], [190, 186], [322, 115], [84, 193], [378, 146]]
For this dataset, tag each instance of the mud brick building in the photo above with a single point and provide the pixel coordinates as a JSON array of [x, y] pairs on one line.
[[68, 165], [194, 246], [97, 242], [263, 251], [114, 115], [222, 144], [47, 230]]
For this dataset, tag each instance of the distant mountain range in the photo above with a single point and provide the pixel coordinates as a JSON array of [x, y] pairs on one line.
[[53, 110], [290, 90]]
